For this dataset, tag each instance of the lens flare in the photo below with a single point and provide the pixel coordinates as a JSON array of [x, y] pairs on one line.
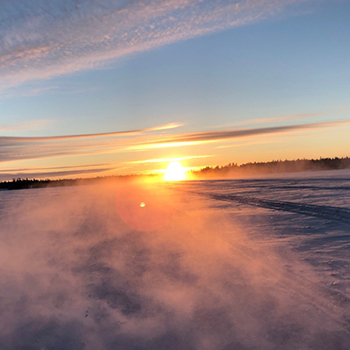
[[175, 172]]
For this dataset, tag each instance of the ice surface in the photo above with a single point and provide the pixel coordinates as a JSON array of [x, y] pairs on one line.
[[228, 265]]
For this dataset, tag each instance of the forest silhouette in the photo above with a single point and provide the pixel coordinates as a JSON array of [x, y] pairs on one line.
[[210, 172]]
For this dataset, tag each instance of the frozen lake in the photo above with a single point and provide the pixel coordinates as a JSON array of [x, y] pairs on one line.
[[218, 265]]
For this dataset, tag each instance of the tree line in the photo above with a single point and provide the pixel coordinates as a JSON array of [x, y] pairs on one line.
[[231, 169], [276, 166]]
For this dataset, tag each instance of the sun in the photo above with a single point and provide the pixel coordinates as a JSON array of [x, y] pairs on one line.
[[175, 172]]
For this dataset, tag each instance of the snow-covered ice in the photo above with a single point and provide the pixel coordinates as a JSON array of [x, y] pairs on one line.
[[221, 264]]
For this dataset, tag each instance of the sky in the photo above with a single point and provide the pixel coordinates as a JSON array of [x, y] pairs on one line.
[[102, 87]]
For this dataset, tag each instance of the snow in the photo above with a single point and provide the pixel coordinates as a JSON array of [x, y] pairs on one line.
[[227, 264]]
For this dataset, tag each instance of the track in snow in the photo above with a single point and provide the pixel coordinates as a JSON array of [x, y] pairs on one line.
[[330, 213]]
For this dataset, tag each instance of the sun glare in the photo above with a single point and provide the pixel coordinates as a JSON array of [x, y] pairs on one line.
[[175, 172]]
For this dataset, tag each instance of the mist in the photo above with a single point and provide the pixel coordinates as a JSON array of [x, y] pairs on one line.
[[89, 267]]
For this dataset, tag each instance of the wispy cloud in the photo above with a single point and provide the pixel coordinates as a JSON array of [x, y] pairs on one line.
[[29, 139], [16, 149], [60, 171], [41, 39], [243, 144], [26, 148], [221, 135], [165, 160], [55, 168]]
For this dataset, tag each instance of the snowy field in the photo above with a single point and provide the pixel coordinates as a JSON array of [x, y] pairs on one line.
[[202, 265]]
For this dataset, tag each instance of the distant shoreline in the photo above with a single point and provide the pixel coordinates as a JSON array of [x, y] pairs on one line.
[[229, 171], [274, 167]]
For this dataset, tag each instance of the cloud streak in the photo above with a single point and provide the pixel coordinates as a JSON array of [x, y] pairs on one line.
[[57, 171], [30, 148], [221, 135], [30, 139], [160, 160], [43, 39], [116, 145]]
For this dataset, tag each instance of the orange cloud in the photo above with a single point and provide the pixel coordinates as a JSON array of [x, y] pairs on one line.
[[22, 149], [160, 160], [217, 136], [29, 139]]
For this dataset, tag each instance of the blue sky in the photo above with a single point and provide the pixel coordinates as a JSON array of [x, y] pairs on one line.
[[277, 68]]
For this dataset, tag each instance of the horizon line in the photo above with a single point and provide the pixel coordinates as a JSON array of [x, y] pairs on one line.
[[17, 177]]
